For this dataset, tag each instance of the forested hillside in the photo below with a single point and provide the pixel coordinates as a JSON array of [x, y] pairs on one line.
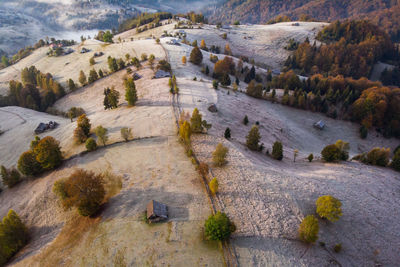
[[381, 12]]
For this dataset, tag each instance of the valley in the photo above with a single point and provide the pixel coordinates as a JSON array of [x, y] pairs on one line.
[[265, 198]]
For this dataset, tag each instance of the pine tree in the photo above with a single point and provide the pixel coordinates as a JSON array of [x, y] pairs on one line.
[[253, 138], [196, 121], [227, 133], [196, 57], [130, 93], [71, 85], [82, 78], [277, 151]]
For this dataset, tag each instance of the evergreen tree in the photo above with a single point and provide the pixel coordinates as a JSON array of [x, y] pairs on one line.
[[196, 121], [277, 151], [82, 78], [130, 93], [253, 138], [227, 133], [111, 98], [71, 85], [196, 57], [93, 76]]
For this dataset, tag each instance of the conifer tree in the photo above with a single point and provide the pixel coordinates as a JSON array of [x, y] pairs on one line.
[[130, 93], [253, 138]]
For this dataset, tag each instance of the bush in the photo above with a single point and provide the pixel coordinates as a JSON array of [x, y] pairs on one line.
[[14, 235], [227, 133], [10, 178], [218, 227], [377, 156], [83, 190], [329, 207], [196, 57], [343, 148], [396, 161], [330, 153], [253, 138], [337, 248], [203, 169], [126, 134], [28, 165], [92, 61], [91, 144], [308, 230], [277, 151], [245, 120], [219, 155], [213, 185], [48, 153], [215, 84], [75, 112], [101, 133]]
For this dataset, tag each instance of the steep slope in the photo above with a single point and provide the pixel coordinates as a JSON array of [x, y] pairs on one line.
[[259, 11]]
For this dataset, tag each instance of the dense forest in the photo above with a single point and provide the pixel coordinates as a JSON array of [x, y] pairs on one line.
[[385, 14], [350, 48], [143, 19]]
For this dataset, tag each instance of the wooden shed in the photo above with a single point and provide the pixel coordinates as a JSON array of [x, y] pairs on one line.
[[156, 211]]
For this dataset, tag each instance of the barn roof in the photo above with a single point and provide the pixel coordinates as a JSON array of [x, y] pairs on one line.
[[156, 209]]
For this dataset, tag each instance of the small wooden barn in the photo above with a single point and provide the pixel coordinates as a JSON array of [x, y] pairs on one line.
[[156, 211], [319, 125]]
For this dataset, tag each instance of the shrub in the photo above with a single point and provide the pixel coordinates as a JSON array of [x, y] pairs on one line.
[[219, 155], [48, 153], [215, 84], [253, 138], [396, 161], [310, 157], [245, 120], [277, 151], [203, 169], [330, 153], [143, 57], [337, 248], [14, 236], [225, 79], [126, 134], [218, 227], [101, 133], [308, 230], [227, 133], [329, 207], [28, 165], [92, 61], [83, 190], [377, 156], [10, 178], [75, 112], [130, 93], [213, 185], [196, 121], [196, 57], [91, 144]]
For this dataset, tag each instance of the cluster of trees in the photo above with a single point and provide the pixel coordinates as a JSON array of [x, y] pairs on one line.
[[144, 18], [336, 152], [327, 207], [191, 124], [173, 85], [37, 91], [13, 236], [115, 64], [82, 131], [352, 48], [391, 77], [83, 190], [193, 17], [44, 154], [222, 70], [360, 100], [10, 177], [104, 36], [111, 98]]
